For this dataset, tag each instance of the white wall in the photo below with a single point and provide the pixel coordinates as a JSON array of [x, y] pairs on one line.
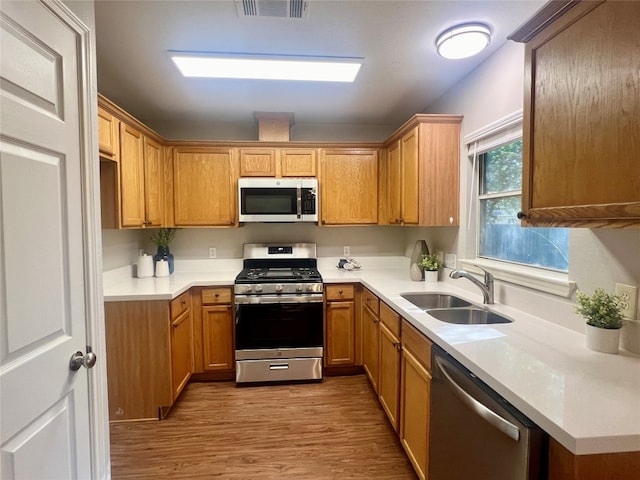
[[598, 257]]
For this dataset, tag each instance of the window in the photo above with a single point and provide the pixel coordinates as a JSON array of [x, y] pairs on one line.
[[500, 236]]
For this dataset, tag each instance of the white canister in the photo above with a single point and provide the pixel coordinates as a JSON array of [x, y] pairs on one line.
[[145, 266], [162, 268]]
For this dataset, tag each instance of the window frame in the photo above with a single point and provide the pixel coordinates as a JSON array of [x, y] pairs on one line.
[[495, 134]]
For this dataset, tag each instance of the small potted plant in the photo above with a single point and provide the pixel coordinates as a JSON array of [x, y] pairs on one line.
[[431, 264], [162, 238], [603, 312]]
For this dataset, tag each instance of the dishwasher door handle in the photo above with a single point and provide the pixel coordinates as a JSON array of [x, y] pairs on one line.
[[506, 427]]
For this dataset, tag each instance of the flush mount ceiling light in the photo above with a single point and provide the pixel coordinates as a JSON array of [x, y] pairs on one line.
[[267, 67], [463, 41]]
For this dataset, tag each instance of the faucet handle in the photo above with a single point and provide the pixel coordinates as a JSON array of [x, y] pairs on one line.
[[488, 276]]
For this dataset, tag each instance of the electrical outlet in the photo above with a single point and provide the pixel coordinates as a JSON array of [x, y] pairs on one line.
[[450, 260], [629, 296], [212, 252], [346, 251]]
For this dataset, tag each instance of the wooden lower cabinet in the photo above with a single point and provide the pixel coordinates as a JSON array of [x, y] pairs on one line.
[[149, 356], [415, 394], [371, 337], [390, 358], [340, 325], [214, 330]]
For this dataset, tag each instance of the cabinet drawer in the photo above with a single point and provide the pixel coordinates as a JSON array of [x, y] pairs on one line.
[[216, 295], [371, 301], [417, 344], [180, 304], [390, 319], [339, 292]]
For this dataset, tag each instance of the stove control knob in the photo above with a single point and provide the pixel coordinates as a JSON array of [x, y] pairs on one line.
[[310, 287], [298, 287], [247, 288], [278, 288], [258, 288]]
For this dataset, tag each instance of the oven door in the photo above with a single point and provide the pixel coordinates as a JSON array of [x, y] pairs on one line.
[[278, 324]]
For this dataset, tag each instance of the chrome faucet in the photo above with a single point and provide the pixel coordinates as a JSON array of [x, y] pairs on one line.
[[486, 287]]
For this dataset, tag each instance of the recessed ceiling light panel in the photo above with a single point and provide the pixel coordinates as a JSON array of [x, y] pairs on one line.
[[463, 41], [267, 67]]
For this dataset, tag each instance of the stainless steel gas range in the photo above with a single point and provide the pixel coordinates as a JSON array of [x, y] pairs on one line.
[[278, 307]]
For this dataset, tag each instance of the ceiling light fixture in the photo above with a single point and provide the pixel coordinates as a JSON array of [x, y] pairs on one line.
[[463, 41], [267, 67]]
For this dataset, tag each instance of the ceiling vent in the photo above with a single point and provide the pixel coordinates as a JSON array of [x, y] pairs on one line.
[[273, 8]]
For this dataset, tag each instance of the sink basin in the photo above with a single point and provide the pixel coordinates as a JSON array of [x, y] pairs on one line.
[[427, 301], [468, 316]]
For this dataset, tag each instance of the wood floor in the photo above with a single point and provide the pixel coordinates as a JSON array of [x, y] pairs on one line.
[[330, 430]]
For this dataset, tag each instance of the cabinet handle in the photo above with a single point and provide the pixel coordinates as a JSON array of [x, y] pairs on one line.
[[217, 295], [375, 320], [183, 302], [340, 291], [178, 321], [521, 216]]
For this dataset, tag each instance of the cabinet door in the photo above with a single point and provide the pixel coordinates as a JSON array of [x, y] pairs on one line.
[[389, 386], [204, 187], [217, 332], [409, 177], [181, 352], [153, 183], [349, 187], [581, 140], [371, 346], [107, 134], [258, 162], [298, 162], [439, 179], [131, 177], [394, 183], [340, 331], [414, 431]]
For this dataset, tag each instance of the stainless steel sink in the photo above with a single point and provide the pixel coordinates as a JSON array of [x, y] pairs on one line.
[[427, 301], [468, 316]]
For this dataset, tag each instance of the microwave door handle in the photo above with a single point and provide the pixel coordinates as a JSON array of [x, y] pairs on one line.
[[299, 201]]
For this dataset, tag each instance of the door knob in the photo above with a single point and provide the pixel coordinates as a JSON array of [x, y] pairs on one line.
[[79, 359]]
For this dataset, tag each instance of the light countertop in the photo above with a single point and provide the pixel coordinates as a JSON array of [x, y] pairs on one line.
[[587, 401]]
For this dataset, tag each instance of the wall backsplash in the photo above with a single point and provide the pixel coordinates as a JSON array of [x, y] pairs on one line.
[[121, 247]]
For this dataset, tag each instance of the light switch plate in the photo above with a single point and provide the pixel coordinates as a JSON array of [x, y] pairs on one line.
[[212, 252], [629, 296], [346, 251]]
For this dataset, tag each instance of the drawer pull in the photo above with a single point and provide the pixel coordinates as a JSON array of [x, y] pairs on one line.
[[340, 291], [279, 366]]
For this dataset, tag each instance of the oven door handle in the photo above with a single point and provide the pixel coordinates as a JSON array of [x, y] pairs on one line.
[[272, 299]]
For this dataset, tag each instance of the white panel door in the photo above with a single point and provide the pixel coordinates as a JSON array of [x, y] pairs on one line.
[[44, 409]]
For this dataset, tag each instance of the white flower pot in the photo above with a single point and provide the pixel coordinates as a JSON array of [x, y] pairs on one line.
[[431, 276], [603, 340]]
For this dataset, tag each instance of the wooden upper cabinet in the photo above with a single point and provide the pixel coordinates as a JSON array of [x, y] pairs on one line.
[[107, 134], [349, 186], [132, 208], [132, 183], [277, 162], [153, 183], [257, 162], [204, 187], [298, 162], [423, 172], [402, 178], [581, 136]]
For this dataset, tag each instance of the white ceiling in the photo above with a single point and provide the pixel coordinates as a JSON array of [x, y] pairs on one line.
[[401, 75]]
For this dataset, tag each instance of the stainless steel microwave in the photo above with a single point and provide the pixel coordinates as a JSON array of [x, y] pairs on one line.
[[278, 199]]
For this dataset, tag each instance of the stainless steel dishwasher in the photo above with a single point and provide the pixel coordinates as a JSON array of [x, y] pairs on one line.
[[475, 433]]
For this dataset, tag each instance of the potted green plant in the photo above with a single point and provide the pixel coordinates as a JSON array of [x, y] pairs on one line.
[[603, 312], [162, 237], [431, 263]]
